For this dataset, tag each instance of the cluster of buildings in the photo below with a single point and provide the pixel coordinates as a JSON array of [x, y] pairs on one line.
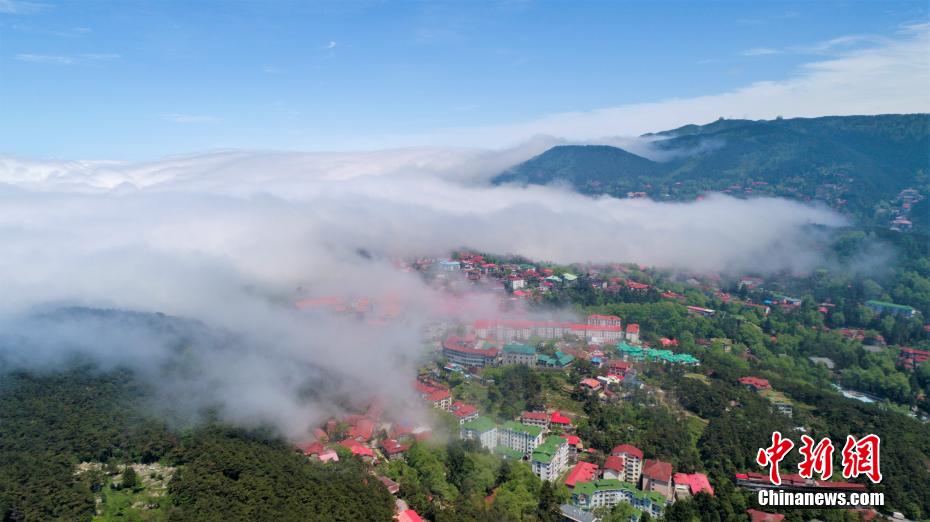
[[439, 397], [471, 352], [369, 436], [598, 329], [648, 485], [639, 353], [531, 439], [900, 213], [884, 307], [911, 358], [762, 386]]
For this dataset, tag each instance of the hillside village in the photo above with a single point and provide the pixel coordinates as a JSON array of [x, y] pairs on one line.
[[598, 358]]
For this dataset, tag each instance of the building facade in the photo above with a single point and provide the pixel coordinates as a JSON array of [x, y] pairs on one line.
[[481, 429], [519, 437], [519, 354], [632, 462], [550, 459]]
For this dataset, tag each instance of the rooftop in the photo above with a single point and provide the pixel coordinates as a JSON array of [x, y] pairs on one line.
[[547, 450], [614, 463], [481, 425], [533, 431], [627, 449], [589, 488], [582, 472], [521, 349], [657, 470], [509, 453]]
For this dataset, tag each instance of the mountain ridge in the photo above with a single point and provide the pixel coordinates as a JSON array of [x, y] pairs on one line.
[[851, 162]]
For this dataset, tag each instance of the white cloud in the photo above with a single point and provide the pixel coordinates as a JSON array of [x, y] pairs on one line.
[[45, 58], [889, 76], [63, 59], [225, 238], [188, 118], [760, 51], [20, 7], [331, 44]]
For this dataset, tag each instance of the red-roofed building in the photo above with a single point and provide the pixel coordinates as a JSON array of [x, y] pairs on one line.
[[755, 383], [640, 287], [408, 515], [666, 342], [464, 412], [535, 418], [393, 450], [632, 333], [358, 449], [399, 430], [362, 430], [557, 419], [574, 447], [438, 396], [688, 485], [618, 367], [469, 351], [911, 358], [761, 516], [615, 467], [603, 320], [511, 330], [590, 385], [582, 472], [392, 487], [657, 476], [311, 448], [632, 462]]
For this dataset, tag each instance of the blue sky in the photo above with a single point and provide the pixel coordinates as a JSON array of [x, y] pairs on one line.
[[133, 79]]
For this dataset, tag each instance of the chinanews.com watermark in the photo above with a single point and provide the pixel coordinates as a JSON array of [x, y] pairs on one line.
[[859, 457], [782, 498]]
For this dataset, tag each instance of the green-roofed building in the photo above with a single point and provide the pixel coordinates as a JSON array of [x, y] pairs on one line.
[[610, 492], [629, 352], [520, 437], [569, 278], [668, 356], [508, 453], [560, 360], [515, 353], [550, 459], [882, 307], [481, 429]]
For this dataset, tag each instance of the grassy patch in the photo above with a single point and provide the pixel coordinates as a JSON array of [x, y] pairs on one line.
[[147, 502], [698, 376]]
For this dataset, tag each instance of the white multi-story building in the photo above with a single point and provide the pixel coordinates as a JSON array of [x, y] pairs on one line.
[[598, 329], [632, 462], [519, 354], [483, 430], [519, 437], [550, 459], [609, 492]]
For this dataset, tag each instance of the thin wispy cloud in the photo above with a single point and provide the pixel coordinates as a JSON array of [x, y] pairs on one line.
[[56, 59], [65, 59], [188, 118], [760, 51], [21, 7], [331, 44], [889, 77]]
